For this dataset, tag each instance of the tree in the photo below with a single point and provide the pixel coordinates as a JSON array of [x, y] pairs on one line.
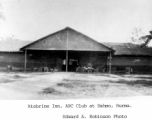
[[138, 37], [146, 39], [135, 35]]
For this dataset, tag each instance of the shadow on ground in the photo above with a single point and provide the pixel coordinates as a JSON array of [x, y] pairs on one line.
[[144, 83]]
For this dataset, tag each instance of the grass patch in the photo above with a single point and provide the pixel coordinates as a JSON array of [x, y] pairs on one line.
[[6, 81], [78, 84], [67, 85], [135, 82], [50, 90], [17, 76]]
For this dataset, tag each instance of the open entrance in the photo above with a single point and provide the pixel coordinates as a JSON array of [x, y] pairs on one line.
[[56, 60], [72, 64]]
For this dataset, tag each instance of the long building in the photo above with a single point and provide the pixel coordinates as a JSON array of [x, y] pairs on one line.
[[68, 49]]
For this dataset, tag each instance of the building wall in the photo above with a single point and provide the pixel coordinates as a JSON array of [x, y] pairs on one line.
[[50, 60], [136, 64], [15, 59]]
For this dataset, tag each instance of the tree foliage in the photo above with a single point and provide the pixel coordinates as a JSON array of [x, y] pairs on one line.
[[138, 37], [146, 39]]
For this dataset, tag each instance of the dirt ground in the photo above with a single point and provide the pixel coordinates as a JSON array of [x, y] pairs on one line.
[[61, 85]]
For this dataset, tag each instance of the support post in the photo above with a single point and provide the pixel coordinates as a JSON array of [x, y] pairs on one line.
[[67, 61], [25, 62], [67, 54], [110, 57]]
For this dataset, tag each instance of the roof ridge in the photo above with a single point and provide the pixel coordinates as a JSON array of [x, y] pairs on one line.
[[66, 28]]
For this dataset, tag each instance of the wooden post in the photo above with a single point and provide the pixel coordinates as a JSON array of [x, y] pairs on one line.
[[67, 61], [25, 62], [110, 57], [107, 64], [67, 54]]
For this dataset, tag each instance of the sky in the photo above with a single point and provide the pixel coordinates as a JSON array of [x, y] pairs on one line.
[[102, 20]]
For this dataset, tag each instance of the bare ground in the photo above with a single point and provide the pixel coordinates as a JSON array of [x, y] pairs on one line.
[[60, 85]]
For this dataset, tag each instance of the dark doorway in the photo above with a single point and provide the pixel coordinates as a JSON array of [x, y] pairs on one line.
[[73, 61], [73, 64]]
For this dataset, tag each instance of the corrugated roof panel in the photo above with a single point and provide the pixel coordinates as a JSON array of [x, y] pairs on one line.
[[67, 39], [129, 49]]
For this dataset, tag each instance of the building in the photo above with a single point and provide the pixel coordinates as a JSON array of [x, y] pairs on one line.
[[131, 57], [67, 49]]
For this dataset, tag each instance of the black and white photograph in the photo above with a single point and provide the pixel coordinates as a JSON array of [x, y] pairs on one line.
[[75, 50]]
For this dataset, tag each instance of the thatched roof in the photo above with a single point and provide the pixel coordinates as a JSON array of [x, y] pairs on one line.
[[67, 39]]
